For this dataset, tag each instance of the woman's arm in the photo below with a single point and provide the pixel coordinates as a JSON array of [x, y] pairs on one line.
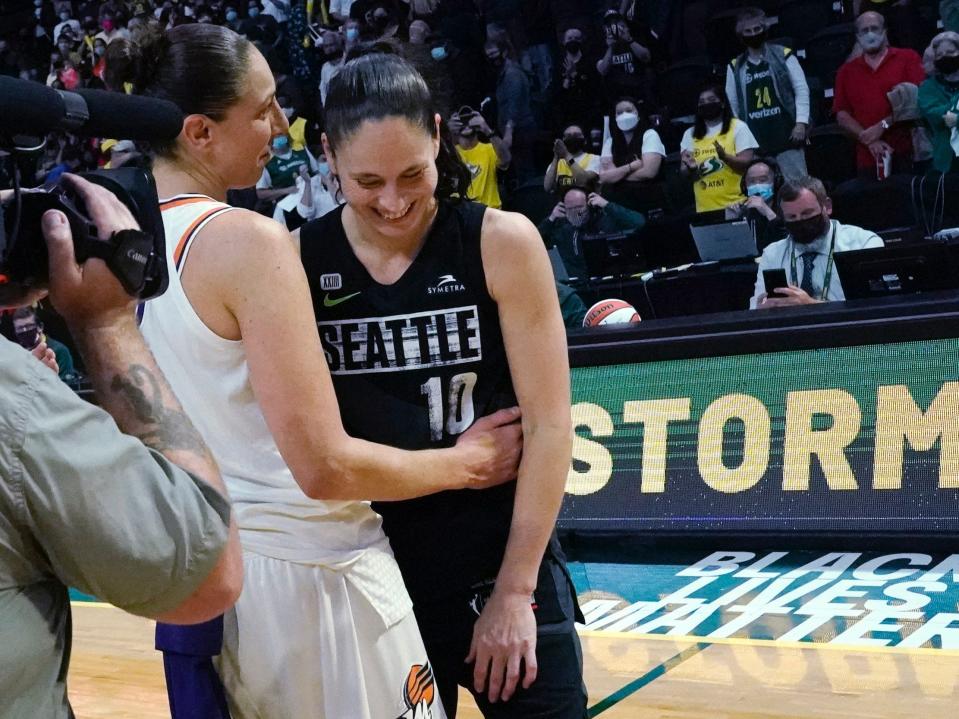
[[613, 174], [521, 282], [581, 177], [933, 105], [245, 280]]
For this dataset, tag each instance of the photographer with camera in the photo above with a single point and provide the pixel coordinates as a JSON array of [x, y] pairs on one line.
[[137, 516], [584, 213], [625, 66], [483, 151]]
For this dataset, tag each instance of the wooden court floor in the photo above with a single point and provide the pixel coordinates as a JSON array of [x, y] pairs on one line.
[[116, 673]]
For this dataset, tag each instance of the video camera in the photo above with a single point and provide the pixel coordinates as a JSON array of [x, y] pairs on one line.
[[138, 259]]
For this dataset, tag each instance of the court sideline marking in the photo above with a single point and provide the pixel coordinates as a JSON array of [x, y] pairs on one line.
[[650, 676]]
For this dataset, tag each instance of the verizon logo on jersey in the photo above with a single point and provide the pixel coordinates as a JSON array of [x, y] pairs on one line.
[[402, 342]]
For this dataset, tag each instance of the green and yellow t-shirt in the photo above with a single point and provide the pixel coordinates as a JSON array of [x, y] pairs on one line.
[[481, 161], [718, 184]]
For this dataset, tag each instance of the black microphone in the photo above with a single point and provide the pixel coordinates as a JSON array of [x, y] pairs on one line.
[[30, 108]]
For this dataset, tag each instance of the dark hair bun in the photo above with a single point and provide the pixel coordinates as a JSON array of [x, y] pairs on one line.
[[137, 61]]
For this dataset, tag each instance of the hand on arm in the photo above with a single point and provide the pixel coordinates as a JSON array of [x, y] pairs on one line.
[[520, 280], [253, 269], [849, 124]]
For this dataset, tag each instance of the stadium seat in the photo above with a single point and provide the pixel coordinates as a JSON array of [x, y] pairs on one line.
[[883, 207], [803, 18], [678, 86], [531, 200], [722, 44], [831, 155], [827, 50]]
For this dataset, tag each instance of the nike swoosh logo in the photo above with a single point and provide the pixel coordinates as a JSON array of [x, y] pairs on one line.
[[327, 302]]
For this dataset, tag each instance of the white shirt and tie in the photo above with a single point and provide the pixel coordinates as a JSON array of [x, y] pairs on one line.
[[811, 261]]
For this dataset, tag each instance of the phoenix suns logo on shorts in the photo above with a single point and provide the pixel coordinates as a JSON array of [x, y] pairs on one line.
[[419, 692]]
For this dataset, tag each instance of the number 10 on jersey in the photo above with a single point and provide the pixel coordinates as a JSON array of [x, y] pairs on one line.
[[455, 406]]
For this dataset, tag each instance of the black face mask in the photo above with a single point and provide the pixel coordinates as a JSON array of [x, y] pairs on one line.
[[948, 65], [710, 110], [573, 47], [754, 41], [574, 144], [497, 61], [807, 231]]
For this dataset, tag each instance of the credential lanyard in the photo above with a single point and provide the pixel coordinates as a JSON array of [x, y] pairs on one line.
[[828, 279]]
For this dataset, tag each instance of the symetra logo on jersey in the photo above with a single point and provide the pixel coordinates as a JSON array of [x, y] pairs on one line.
[[402, 342], [445, 285]]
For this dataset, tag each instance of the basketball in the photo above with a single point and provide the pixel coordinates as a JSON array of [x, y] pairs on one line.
[[610, 312]]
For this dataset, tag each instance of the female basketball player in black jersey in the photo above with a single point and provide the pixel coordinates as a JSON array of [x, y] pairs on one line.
[[434, 311]]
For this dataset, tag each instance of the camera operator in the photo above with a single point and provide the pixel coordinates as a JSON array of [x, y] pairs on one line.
[[584, 213], [483, 151], [139, 519]]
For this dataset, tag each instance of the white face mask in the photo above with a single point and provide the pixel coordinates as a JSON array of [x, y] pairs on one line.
[[872, 40], [627, 121]]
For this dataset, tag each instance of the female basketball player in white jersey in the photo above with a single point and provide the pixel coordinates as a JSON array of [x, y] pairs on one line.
[[452, 313], [323, 626]]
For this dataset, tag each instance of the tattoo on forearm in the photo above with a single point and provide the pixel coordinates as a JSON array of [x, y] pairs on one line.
[[163, 428]]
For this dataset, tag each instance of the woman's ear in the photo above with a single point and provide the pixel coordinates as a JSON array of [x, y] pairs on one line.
[[197, 131], [328, 151]]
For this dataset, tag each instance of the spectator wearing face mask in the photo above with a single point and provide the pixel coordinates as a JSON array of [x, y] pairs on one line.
[[111, 30], [767, 89], [513, 107], [68, 49], [760, 184], [939, 101], [806, 254], [279, 176], [332, 49], [578, 95], [231, 18], [861, 101], [625, 66], [483, 152], [583, 213], [429, 55], [572, 165], [631, 158], [716, 151]]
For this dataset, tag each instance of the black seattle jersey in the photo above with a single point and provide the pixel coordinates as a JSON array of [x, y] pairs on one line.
[[414, 364]]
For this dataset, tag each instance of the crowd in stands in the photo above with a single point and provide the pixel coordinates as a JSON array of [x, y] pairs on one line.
[[601, 113]]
